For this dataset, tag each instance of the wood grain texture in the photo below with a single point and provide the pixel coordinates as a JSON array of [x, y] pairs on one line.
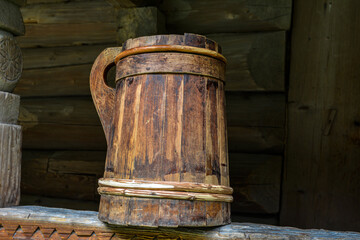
[[9, 108], [131, 22], [135, 121], [49, 179], [322, 178], [58, 118], [10, 164], [10, 18], [61, 56], [58, 81], [67, 34], [256, 61], [229, 16], [71, 12], [256, 179], [40, 223]]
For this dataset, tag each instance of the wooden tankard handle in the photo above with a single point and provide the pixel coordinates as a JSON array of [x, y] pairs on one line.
[[103, 95]]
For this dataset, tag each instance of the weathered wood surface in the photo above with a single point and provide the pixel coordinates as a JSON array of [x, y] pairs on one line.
[[254, 177], [256, 62], [9, 108], [95, 11], [60, 56], [256, 181], [67, 34], [56, 223], [10, 62], [322, 167], [226, 16], [10, 164], [255, 123], [10, 18], [164, 127], [131, 22]]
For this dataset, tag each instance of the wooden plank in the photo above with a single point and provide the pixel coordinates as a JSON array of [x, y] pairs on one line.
[[61, 56], [10, 164], [64, 34], [255, 109], [256, 139], [9, 108], [256, 62], [59, 81], [63, 136], [322, 167], [27, 199], [39, 181], [75, 221], [96, 11], [255, 179], [227, 16]]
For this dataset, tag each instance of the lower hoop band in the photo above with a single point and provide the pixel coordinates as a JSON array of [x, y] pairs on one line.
[[165, 189]]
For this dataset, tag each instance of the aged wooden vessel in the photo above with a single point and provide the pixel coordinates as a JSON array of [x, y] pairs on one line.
[[165, 127]]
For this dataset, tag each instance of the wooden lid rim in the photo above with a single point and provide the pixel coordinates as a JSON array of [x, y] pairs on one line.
[[170, 48], [161, 194], [165, 185]]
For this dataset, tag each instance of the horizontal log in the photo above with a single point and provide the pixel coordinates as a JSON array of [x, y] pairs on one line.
[[71, 12], [27, 199], [256, 62], [10, 18], [59, 81], [254, 177], [40, 222], [255, 109], [226, 16], [256, 139], [37, 180], [63, 34], [61, 56], [72, 123], [9, 108]]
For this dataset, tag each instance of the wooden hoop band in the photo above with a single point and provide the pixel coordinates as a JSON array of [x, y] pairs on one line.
[[165, 185], [170, 48], [191, 196]]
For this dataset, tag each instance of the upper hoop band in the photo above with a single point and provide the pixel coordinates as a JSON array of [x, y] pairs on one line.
[[170, 48]]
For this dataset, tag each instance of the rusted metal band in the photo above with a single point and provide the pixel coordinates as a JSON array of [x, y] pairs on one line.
[[170, 63], [170, 48], [161, 194], [165, 185]]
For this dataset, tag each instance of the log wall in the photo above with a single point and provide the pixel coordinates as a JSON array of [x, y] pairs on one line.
[[63, 140]]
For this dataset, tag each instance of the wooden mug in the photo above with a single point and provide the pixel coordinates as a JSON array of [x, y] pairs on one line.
[[165, 126]]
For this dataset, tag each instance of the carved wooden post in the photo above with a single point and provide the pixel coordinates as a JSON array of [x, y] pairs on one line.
[[11, 24]]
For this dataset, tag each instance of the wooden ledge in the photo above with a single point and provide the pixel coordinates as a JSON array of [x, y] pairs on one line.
[[36, 222]]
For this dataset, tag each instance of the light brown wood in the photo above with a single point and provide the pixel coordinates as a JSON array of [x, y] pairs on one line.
[[227, 16], [143, 115], [40, 223], [10, 164], [9, 108], [322, 168]]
